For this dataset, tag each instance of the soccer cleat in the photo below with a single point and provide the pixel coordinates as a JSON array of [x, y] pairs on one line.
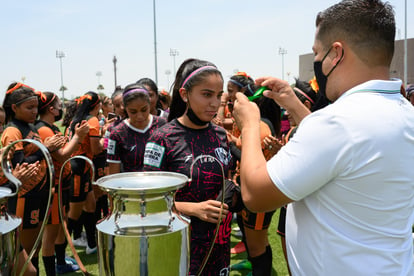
[[90, 250], [243, 265], [66, 268], [80, 242], [238, 248]]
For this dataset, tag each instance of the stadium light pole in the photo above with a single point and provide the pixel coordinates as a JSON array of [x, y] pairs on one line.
[[405, 49], [114, 60], [60, 55], [155, 45], [283, 52], [174, 53]]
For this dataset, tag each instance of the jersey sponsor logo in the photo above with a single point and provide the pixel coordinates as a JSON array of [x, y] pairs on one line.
[[111, 146], [188, 158], [154, 154], [222, 155]]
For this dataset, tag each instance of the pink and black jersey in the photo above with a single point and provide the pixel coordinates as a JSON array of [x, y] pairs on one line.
[[126, 144], [173, 148]]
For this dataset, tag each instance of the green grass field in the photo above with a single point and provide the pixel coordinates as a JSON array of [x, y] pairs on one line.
[[279, 264]]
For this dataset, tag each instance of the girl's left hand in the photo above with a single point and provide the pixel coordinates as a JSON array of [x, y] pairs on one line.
[[210, 211]]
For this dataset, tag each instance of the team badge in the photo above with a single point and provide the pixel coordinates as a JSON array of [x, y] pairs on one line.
[[154, 154]]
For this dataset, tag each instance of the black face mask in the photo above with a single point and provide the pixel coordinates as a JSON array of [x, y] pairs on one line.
[[59, 117], [321, 78], [194, 119]]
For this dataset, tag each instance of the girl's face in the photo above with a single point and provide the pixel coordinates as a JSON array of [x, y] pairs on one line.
[[138, 112], [153, 99], [26, 111], [232, 89], [205, 97], [119, 106], [107, 107], [2, 121]]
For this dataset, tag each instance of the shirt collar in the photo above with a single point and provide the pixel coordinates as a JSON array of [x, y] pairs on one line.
[[392, 86]]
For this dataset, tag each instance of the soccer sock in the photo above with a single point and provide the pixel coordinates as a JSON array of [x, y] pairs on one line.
[[262, 264], [77, 230], [49, 263], [35, 263], [60, 253], [104, 205], [71, 225], [90, 225]]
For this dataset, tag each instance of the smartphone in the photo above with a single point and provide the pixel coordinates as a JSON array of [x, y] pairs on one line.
[[111, 115]]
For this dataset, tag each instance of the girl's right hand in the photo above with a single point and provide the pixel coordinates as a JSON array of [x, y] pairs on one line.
[[82, 129], [55, 142], [210, 210], [24, 172]]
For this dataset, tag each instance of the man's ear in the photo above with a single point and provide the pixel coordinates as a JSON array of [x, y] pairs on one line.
[[338, 50]]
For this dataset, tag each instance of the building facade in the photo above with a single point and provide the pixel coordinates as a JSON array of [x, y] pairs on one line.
[[397, 64]]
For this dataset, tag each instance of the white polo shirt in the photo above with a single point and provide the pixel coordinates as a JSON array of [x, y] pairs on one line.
[[349, 169]]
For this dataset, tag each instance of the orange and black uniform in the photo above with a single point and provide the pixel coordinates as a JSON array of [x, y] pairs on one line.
[[46, 130], [261, 220], [30, 204], [82, 176]]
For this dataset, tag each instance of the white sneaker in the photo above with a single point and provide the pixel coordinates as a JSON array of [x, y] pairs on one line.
[[80, 242], [90, 250]]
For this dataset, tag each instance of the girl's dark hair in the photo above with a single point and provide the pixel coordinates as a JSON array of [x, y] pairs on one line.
[[241, 80], [150, 83], [51, 99], [178, 106], [104, 100], [86, 103], [165, 98], [152, 86], [16, 96], [305, 92], [118, 90], [128, 95], [71, 108]]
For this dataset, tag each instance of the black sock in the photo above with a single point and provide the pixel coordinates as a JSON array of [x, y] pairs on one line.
[[71, 225], [60, 250], [262, 264], [49, 263], [77, 229], [35, 263], [90, 227], [104, 205]]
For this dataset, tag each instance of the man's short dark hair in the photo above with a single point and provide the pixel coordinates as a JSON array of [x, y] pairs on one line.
[[367, 26]]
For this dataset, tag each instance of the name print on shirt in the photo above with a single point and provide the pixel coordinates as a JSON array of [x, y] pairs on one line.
[[153, 154]]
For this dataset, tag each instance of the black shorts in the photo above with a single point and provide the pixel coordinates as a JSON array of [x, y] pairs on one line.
[[257, 221], [81, 186], [282, 222], [30, 209], [99, 162], [81, 180]]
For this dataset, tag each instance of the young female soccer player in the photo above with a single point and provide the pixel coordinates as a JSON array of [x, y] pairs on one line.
[[50, 111], [156, 107], [21, 106], [127, 140], [82, 196], [196, 98]]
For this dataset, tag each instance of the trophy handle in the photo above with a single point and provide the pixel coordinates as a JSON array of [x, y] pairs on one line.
[[210, 159], [61, 215], [7, 169]]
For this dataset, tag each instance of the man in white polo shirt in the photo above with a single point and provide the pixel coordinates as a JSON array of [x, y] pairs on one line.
[[347, 170]]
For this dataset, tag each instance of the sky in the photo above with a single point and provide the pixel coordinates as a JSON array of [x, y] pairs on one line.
[[235, 35]]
